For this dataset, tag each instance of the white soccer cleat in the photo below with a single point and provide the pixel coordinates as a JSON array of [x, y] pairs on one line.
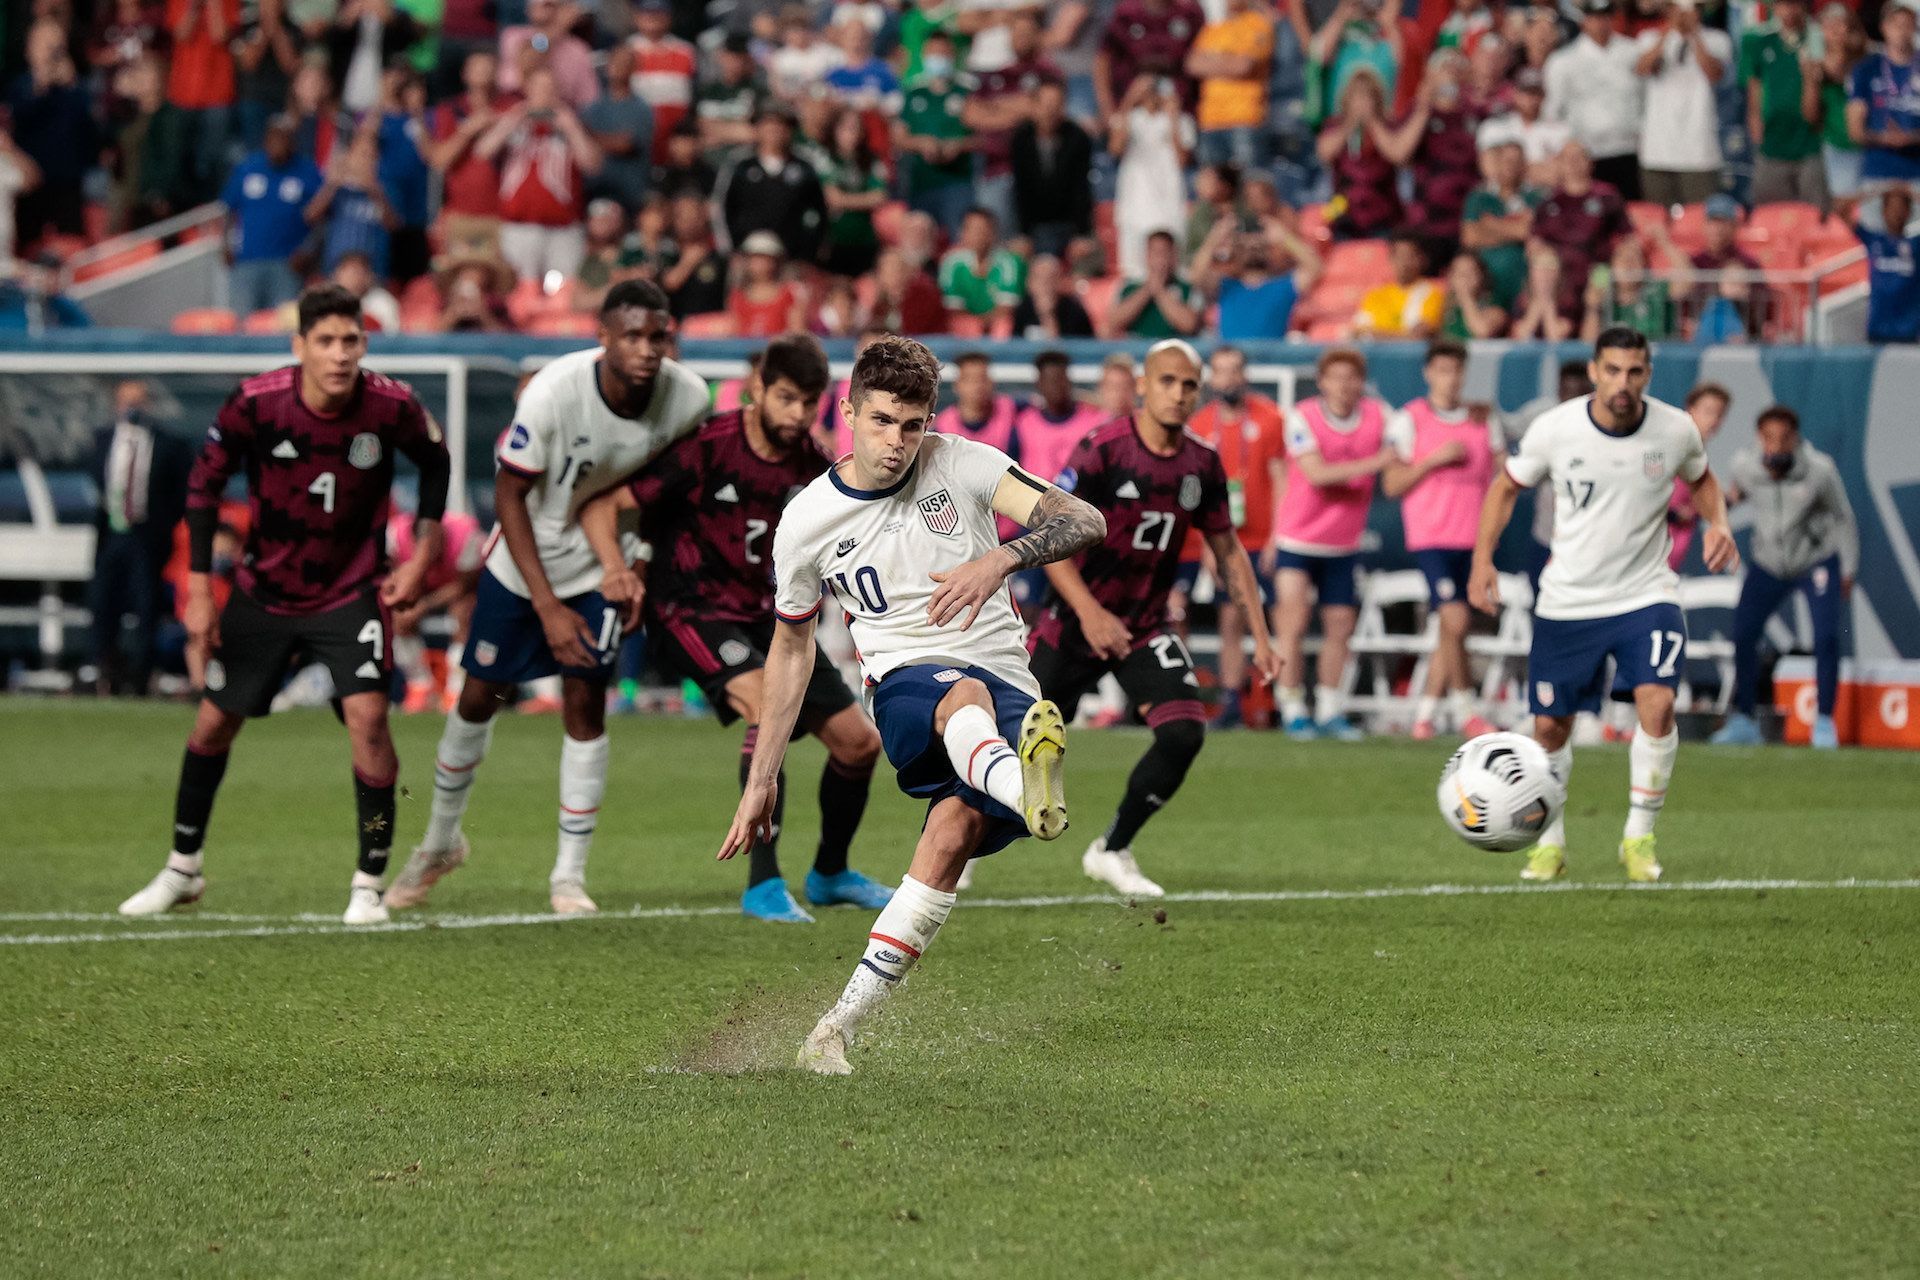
[[569, 898], [1116, 867], [164, 892], [824, 1052], [422, 872], [365, 907]]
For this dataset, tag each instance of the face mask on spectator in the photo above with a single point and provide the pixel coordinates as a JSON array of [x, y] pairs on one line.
[[1778, 463], [937, 66]]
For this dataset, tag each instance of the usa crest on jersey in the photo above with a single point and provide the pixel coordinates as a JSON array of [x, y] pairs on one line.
[[941, 515]]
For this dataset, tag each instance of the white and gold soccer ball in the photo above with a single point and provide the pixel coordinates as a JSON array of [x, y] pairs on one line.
[[1500, 791]]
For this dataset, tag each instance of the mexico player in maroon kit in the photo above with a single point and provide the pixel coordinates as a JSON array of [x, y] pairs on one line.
[[317, 442], [1153, 481], [708, 507]]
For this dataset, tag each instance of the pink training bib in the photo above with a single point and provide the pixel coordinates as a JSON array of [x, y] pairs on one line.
[[1332, 518], [1442, 512]]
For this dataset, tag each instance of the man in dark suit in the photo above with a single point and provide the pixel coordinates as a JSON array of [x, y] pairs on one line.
[[1052, 174], [141, 471]]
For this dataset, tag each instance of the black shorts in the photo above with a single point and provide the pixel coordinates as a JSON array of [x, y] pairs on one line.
[[258, 649], [1158, 673], [712, 653]]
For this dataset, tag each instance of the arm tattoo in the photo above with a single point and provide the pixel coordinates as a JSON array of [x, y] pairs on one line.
[[1062, 525]]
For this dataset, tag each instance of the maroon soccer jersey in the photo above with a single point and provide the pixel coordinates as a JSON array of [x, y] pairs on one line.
[[708, 505], [319, 487], [1150, 502]]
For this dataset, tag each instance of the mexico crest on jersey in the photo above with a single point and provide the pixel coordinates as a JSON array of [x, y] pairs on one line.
[[364, 452], [1654, 463], [941, 515], [1189, 492]]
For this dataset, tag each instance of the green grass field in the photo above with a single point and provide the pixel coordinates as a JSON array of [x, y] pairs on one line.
[[1539, 1083]]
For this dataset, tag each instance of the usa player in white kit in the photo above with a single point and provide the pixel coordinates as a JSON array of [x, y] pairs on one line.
[[1607, 591], [585, 422], [901, 533]]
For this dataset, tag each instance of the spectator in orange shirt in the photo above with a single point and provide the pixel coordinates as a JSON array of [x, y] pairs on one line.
[[201, 83], [1249, 432], [1231, 59]]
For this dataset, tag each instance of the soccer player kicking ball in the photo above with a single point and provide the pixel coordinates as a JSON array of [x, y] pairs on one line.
[[902, 534], [1443, 463], [317, 441], [585, 421], [1153, 481], [1607, 591], [707, 506]]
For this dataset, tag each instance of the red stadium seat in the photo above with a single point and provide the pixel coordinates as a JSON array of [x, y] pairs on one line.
[[564, 324], [1329, 331], [1097, 297], [1690, 227], [709, 324], [272, 320], [1358, 262], [962, 325], [420, 304], [1313, 225], [145, 251], [203, 320], [1788, 219], [1646, 215]]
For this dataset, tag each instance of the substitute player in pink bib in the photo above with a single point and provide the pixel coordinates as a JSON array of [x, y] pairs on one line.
[[1336, 449], [1045, 432], [1443, 464]]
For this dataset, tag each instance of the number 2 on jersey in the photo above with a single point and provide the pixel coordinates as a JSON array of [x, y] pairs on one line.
[[1144, 537], [866, 588]]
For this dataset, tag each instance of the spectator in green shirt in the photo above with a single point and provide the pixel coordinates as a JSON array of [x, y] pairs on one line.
[[1787, 163], [920, 24], [1624, 292], [855, 184], [1498, 217], [1823, 97], [725, 102], [976, 277], [935, 141], [1160, 306]]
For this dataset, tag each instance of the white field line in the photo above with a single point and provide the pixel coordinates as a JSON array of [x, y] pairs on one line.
[[176, 928]]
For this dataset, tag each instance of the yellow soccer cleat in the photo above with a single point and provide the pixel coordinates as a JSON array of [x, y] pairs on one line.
[[1043, 747], [1545, 862], [1636, 855]]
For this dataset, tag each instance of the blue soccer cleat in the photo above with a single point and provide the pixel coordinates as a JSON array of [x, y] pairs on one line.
[[1738, 731], [1825, 735], [1340, 729], [769, 900], [1302, 729], [847, 888]]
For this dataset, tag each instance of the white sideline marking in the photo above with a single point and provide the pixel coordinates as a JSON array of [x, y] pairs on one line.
[[168, 928]]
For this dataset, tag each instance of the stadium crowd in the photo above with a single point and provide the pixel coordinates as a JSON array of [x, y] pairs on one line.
[[1114, 168]]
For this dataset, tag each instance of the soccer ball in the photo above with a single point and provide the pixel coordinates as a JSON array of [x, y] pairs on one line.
[[1500, 791]]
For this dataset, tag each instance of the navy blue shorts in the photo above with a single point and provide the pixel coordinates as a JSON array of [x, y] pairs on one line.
[[1332, 576], [903, 707], [507, 645], [1185, 574], [1567, 667], [1447, 573]]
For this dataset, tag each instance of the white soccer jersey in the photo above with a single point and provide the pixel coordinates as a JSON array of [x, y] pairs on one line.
[[1610, 497], [573, 446], [873, 553]]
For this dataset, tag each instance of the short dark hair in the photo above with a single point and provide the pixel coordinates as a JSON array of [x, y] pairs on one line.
[[800, 359], [1778, 413], [1706, 389], [644, 294], [1162, 234], [898, 366], [1049, 358], [1446, 349], [1619, 338], [981, 211], [966, 358], [324, 300]]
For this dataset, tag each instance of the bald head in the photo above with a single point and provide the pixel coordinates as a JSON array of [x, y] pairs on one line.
[[1170, 383]]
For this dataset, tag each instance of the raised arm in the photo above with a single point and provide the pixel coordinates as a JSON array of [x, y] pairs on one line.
[[1058, 525]]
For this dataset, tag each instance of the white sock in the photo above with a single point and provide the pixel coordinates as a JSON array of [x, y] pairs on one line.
[[1556, 834], [187, 864], [463, 745], [1460, 705], [583, 781], [982, 757], [1293, 703], [1650, 766], [410, 655], [1328, 702], [1425, 710], [362, 880], [904, 930]]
